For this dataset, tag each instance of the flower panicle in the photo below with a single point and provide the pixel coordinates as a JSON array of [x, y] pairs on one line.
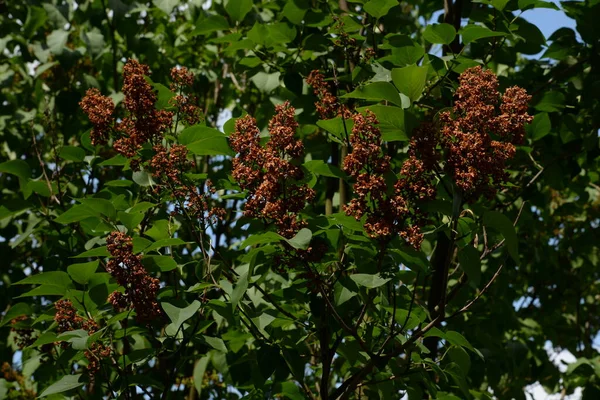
[[266, 173], [475, 160], [140, 288]]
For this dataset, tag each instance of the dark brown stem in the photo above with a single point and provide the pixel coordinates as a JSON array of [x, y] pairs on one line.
[[437, 293], [342, 184], [331, 181], [111, 30], [452, 16]]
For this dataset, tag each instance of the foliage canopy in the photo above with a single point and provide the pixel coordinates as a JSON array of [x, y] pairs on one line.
[[297, 199]]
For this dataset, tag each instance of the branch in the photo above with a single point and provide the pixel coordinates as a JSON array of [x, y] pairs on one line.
[[346, 388], [496, 274]]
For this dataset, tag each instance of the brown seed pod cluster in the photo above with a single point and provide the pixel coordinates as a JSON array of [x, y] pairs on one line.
[[23, 334], [99, 110], [272, 181], [127, 269], [386, 213], [168, 167], [479, 136], [327, 104], [187, 110], [67, 319]]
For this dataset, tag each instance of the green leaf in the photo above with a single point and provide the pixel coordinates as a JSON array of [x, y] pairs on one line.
[[342, 294], [376, 91], [76, 213], [45, 338], [16, 310], [102, 206], [140, 244], [239, 290], [369, 281], [338, 127], [469, 260], [81, 273], [45, 290], [319, 167], [119, 183], [142, 178], [551, 101], [295, 10], [56, 278], [301, 240], [96, 252], [164, 97], [166, 5], [502, 224], [116, 160], [457, 339], [346, 221], [78, 338], [198, 374], [413, 259], [194, 133], [471, 33], [160, 230], [205, 141], [261, 238], [94, 39], [273, 34], [216, 343], [162, 263], [404, 50], [497, 4], [379, 8], [164, 243], [72, 153], [36, 18], [141, 207], [410, 80], [439, 33], [210, 24], [529, 4], [16, 167], [265, 82], [391, 122], [57, 40], [539, 127], [40, 187], [130, 220], [64, 384], [237, 9], [179, 315]]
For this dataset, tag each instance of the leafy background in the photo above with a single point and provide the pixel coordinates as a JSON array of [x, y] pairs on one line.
[[253, 335]]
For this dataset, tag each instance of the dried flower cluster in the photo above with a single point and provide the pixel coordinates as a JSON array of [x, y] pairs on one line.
[[465, 145], [386, 213], [66, 316], [186, 109], [18, 390], [275, 192], [23, 334], [127, 269], [99, 110], [327, 105], [168, 168], [67, 319], [343, 39], [477, 162], [144, 122]]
